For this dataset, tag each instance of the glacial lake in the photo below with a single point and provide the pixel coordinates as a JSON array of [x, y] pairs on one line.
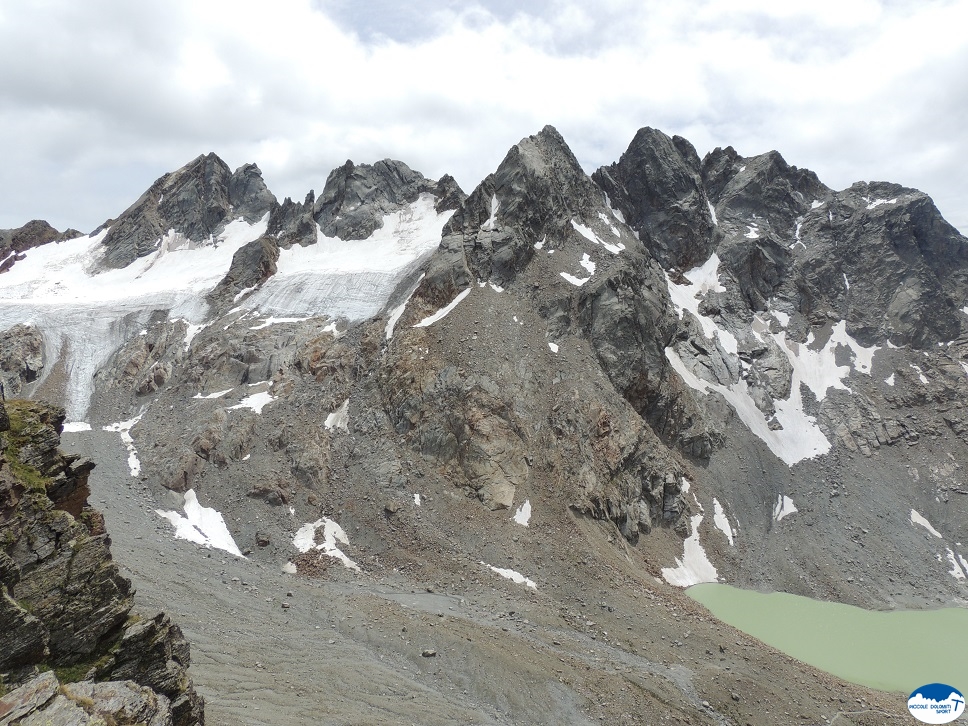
[[890, 651]]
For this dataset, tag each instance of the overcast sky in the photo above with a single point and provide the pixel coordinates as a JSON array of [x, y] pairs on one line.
[[99, 98]]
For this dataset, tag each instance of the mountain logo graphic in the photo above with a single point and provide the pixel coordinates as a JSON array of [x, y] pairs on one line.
[[936, 703]]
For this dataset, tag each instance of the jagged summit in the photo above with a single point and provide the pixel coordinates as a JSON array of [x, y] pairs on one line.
[[195, 202], [657, 185]]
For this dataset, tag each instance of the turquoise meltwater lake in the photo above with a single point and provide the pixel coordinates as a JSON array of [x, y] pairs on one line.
[[889, 651]]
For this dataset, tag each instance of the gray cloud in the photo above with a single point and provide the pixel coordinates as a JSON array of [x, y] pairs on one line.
[[102, 97]]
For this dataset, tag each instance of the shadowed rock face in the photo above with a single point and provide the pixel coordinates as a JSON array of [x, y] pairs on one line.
[[905, 266], [63, 601], [657, 185]]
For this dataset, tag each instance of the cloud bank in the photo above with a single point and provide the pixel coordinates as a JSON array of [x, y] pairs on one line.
[[102, 97]]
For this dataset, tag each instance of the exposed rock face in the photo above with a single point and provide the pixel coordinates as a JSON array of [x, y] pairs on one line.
[[44, 700], [537, 204], [657, 186], [21, 358], [252, 265], [62, 600], [356, 196], [905, 267], [194, 201], [292, 222]]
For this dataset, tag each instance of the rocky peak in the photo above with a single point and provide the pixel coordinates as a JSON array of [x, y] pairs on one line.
[[357, 196], [248, 194], [657, 186], [762, 186], [883, 258], [194, 201], [535, 193]]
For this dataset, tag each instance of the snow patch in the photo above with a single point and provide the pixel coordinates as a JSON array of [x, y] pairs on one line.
[[890, 379], [702, 279], [398, 310], [191, 330], [587, 263], [722, 521], [602, 216], [340, 418], [878, 202], [202, 525], [576, 281], [784, 507], [512, 575], [488, 226], [305, 540], [753, 232], [523, 514], [921, 376], [243, 292], [74, 427], [256, 402], [416, 499], [541, 244], [554, 347], [590, 235], [273, 321], [217, 394], [694, 567], [917, 518], [816, 203], [955, 571], [799, 438], [443, 312], [124, 428], [615, 212], [712, 212]]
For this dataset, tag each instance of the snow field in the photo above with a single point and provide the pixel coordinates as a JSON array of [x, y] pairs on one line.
[[124, 429], [339, 419], [443, 312], [800, 437], [694, 567], [202, 525], [305, 540], [523, 514], [512, 575]]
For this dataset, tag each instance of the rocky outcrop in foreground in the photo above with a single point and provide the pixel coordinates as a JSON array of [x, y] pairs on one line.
[[64, 606]]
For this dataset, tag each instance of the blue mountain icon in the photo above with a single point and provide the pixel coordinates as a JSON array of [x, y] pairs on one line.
[[939, 692]]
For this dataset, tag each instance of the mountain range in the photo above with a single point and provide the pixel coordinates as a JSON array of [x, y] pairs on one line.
[[506, 428]]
